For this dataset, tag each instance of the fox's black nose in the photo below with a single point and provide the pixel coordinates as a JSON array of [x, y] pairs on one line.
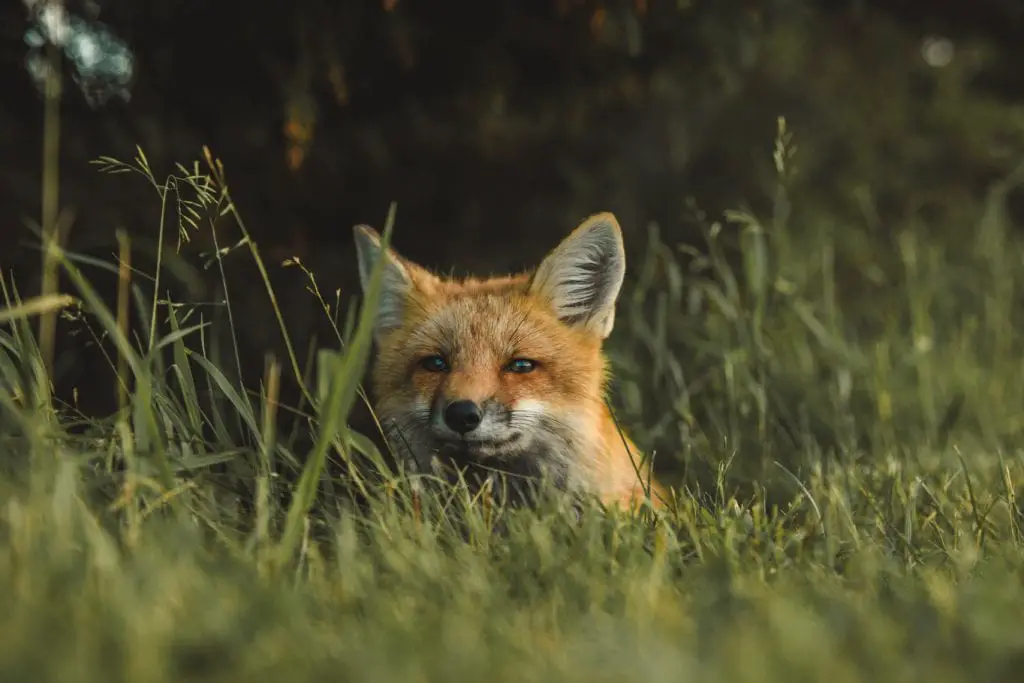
[[463, 416]]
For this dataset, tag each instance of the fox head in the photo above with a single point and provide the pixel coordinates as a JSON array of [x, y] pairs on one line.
[[506, 371]]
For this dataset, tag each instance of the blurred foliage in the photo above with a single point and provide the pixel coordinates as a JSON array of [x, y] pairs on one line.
[[496, 126]]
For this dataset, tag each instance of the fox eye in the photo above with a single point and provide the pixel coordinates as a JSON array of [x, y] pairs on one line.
[[521, 365], [434, 364]]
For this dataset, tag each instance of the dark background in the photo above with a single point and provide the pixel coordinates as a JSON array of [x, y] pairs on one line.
[[496, 126]]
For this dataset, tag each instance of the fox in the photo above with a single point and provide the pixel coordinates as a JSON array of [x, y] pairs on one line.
[[508, 372]]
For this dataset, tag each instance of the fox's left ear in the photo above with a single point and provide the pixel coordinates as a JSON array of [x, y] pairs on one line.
[[396, 282], [582, 276]]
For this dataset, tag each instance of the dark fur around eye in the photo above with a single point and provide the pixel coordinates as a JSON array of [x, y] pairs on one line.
[[520, 365], [434, 364]]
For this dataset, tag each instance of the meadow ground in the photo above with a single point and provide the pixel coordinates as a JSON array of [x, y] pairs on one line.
[[841, 408]]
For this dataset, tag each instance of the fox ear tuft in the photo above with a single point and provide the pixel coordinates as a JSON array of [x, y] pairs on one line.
[[582, 276], [396, 284]]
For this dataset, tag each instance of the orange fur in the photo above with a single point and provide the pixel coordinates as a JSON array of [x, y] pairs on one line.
[[556, 316]]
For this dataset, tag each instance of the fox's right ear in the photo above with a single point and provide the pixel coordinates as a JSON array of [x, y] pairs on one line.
[[582, 276], [396, 284]]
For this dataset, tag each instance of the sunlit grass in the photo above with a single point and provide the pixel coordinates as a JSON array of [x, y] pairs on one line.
[[848, 471]]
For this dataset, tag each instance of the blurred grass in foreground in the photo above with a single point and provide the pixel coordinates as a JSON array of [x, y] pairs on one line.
[[849, 469]]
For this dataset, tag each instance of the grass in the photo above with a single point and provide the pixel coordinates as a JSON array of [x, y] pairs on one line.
[[841, 416]]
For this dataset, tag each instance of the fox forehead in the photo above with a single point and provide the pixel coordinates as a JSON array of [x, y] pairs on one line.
[[484, 322], [478, 331]]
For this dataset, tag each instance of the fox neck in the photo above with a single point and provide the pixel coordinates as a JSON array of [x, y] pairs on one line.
[[605, 454]]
